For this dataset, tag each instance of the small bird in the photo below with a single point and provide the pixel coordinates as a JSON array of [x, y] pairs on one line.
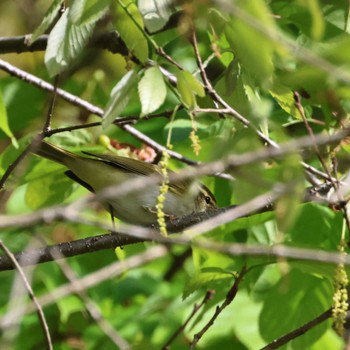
[[136, 207]]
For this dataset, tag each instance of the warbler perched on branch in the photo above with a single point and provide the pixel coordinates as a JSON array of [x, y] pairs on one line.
[[138, 207]]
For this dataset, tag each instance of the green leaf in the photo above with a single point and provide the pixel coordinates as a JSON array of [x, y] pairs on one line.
[[68, 306], [336, 13], [253, 49], [284, 97], [207, 280], [16, 204], [193, 83], [246, 311], [152, 90], [120, 97], [131, 32], [48, 190], [4, 126], [88, 11], [49, 17], [186, 94], [317, 25], [155, 13], [65, 43], [329, 341], [317, 226], [295, 300], [188, 86]]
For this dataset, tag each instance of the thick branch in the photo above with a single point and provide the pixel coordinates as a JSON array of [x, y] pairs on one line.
[[67, 249], [110, 41]]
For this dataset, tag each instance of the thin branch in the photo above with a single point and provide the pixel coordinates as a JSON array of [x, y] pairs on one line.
[[68, 249], [231, 111], [106, 273], [228, 300], [110, 41], [99, 112], [335, 184], [339, 73], [71, 128], [47, 125], [31, 79], [19, 159], [219, 166], [90, 305], [216, 97], [277, 343], [177, 264], [31, 294], [208, 296], [160, 51]]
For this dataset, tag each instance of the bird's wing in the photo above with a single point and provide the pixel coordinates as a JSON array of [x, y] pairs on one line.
[[125, 164]]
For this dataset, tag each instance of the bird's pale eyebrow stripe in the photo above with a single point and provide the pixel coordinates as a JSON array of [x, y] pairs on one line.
[[206, 193]]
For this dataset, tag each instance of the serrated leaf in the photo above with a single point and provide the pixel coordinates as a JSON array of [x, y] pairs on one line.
[[4, 126], [76, 10], [152, 90], [47, 21], [132, 33], [65, 42], [120, 97], [155, 13], [88, 11]]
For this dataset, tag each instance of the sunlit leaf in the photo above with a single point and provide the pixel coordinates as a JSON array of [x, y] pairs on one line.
[[188, 86], [284, 97], [282, 312], [88, 11], [120, 97], [49, 17], [65, 43], [131, 29], [155, 13], [152, 90], [4, 126]]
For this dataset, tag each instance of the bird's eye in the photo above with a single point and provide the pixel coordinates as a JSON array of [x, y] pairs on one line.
[[207, 199]]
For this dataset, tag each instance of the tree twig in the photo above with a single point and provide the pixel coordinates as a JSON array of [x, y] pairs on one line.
[[228, 300], [93, 279], [31, 294], [277, 343], [208, 296], [68, 249], [110, 41]]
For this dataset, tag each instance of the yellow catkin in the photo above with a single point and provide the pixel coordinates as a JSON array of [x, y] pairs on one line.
[[196, 146], [164, 188], [195, 142], [340, 296]]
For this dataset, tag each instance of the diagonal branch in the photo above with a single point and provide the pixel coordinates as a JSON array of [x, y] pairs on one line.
[[31, 294], [277, 343], [228, 300]]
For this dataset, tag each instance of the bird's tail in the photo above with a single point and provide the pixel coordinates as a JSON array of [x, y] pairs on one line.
[[54, 153]]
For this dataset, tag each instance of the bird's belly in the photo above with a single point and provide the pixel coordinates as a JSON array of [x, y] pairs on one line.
[[140, 208]]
